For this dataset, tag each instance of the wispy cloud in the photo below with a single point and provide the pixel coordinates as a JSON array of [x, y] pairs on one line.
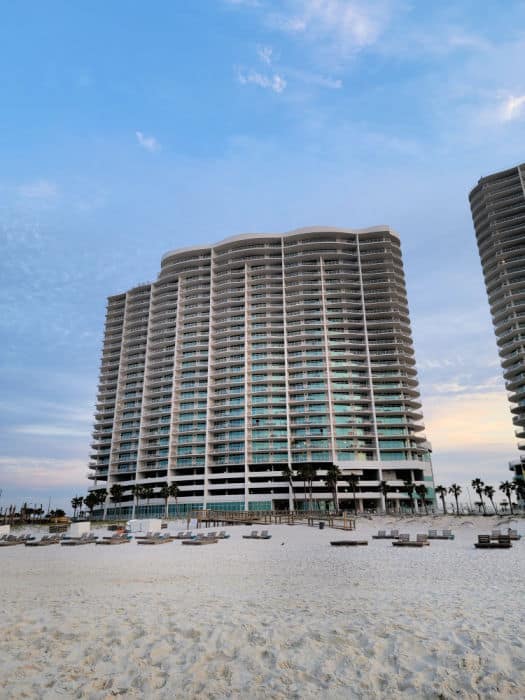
[[513, 108], [49, 431], [265, 53], [350, 24], [150, 143], [25, 472], [243, 3], [275, 82], [38, 190], [315, 79]]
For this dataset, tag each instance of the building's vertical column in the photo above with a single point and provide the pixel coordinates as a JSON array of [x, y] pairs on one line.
[[172, 451], [369, 367], [327, 362], [522, 178], [144, 385], [291, 504], [246, 385], [209, 393]]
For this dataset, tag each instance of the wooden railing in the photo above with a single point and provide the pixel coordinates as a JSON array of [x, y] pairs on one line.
[[214, 518]]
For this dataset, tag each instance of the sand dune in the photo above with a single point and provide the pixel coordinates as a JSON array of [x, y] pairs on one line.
[[290, 617]]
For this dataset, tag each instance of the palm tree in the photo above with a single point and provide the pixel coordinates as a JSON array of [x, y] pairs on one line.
[[76, 502], [101, 495], [478, 485], [288, 473], [490, 492], [138, 493], [148, 493], [520, 490], [308, 472], [332, 474], [116, 492], [442, 492], [422, 491], [174, 492], [164, 493], [353, 481], [384, 489], [91, 500], [455, 490], [508, 487], [410, 487]]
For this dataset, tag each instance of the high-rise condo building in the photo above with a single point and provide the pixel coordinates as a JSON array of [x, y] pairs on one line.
[[498, 211], [251, 358]]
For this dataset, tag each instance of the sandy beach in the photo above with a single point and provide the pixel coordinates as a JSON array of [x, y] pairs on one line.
[[291, 617]]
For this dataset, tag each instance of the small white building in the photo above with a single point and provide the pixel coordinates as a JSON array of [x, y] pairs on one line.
[[149, 525]]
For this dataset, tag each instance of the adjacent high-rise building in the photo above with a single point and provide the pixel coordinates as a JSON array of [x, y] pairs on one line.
[[498, 211], [251, 358]]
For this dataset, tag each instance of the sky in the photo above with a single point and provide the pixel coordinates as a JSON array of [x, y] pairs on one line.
[[129, 129]]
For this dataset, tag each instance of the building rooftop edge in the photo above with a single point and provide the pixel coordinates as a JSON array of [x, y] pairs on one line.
[[294, 232], [495, 176]]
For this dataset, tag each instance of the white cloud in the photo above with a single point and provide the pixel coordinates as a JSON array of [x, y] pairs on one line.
[[309, 78], [150, 143], [50, 430], [39, 189], [265, 53], [352, 24], [513, 107], [243, 3], [36, 471], [275, 82]]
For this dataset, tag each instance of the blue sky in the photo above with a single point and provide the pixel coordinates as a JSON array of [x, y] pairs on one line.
[[127, 130]]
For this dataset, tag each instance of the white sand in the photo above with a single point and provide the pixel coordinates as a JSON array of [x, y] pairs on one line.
[[262, 619]]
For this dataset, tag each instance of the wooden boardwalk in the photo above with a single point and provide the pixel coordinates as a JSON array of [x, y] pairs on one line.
[[222, 518]]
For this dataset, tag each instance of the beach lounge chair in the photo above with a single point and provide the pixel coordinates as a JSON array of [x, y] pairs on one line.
[[381, 535], [486, 542], [156, 538], [11, 541], [348, 543], [265, 535], [404, 541], [119, 538], [85, 538], [44, 541], [432, 534], [254, 535]]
